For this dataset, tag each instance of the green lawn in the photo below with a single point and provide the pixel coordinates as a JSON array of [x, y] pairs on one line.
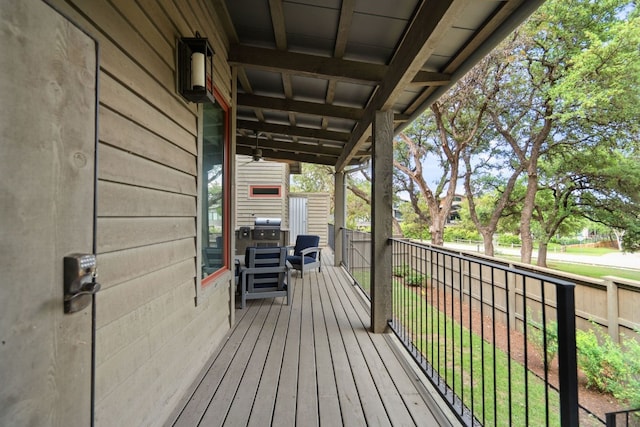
[[460, 357], [363, 277], [588, 270], [577, 250], [594, 271]]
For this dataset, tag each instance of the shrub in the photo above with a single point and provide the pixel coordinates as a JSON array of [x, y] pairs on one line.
[[453, 233], [415, 278], [401, 270], [630, 390], [539, 337], [507, 239], [411, 276], [601, 360]]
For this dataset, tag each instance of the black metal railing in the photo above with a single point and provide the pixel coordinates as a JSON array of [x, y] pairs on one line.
[[487, 335], [626, 418], [498, 342], [356, 253]]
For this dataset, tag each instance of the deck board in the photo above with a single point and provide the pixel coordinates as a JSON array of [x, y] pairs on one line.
[[311, 363]]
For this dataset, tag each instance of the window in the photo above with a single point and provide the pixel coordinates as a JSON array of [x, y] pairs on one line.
[[214, 190], [265, 191]]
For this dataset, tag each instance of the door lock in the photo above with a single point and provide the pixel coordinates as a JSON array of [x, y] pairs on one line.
[[79, 281]]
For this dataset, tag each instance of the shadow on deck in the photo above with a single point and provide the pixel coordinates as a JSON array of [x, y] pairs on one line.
[[313, 362]]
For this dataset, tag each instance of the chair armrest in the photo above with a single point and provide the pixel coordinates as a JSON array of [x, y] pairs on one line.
[[307, 251]]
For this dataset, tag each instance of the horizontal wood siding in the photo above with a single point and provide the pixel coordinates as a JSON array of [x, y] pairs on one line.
[[259, 173], [152, 340]]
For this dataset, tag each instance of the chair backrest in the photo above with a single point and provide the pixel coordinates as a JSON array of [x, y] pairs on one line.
[[212, 256], [255, 257], [304, 241]]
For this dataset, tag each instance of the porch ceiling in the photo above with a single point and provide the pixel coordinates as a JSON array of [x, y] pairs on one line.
[[312, 73]]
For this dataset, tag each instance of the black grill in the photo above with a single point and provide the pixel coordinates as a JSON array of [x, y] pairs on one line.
[[267, 229]]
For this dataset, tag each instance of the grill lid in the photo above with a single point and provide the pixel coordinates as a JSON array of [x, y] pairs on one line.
[[268, 222]]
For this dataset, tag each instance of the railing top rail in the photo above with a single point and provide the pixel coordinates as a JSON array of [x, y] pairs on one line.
[[508, 269]]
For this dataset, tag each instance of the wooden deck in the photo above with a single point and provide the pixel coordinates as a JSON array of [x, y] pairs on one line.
[[311, 363]]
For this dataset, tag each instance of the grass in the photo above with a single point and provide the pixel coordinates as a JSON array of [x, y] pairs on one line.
[[587, 270], [363, 277], [461, 357], [578, 250], [594, 271]]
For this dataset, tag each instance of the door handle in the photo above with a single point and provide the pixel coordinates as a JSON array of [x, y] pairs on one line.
[[79, 281]]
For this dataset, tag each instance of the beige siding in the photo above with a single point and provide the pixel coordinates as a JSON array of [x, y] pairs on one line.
[[259, 173], [317, 214], [151, 339]]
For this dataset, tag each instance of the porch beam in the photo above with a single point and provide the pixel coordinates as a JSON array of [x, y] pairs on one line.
[[381, 221], [429, 78], [340, 217], [285, 155], [289, 105], [275, 145], [426, 31], [325, 135], [306, 65], [324, 67]]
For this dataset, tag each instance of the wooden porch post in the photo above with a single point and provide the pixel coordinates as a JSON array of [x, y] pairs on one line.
[[340, 214], [381, 214]]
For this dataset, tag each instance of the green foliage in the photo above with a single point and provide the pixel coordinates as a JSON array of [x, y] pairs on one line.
[[414, 278], [610, 367], [455, 232], [544, 336], [415, 230], [508, 239], [313, 179], [411, 276], [630, 393], [603, 364], [631, 238], [401, 270]]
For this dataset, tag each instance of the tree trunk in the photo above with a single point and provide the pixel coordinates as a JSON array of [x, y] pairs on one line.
[[527, 214], [542, 253], [437, 234], [487, 239]]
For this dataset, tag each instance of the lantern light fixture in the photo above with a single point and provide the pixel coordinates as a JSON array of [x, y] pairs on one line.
[[195, 69]]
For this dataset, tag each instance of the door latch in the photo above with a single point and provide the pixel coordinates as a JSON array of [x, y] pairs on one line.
[[79, 281]]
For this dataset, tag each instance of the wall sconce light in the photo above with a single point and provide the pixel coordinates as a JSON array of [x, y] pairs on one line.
[[195, 69]]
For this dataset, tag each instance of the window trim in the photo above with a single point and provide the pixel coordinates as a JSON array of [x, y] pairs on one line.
[[265, 196], [206, 282]]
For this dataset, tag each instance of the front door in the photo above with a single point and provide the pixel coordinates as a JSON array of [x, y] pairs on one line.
[[47, 174]]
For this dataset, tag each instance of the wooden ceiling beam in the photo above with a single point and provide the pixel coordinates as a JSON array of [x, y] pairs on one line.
[[303, 107], [325, 135], [306, 65], [291, 147], [427, 29], [429, 78], [284, 155]]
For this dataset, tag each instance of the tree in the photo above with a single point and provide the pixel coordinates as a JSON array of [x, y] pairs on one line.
[[539, 104], [555, 203], [611, 195], [455, 124]]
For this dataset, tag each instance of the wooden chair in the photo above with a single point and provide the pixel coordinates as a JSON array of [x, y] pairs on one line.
[[265, 274], [306, 254]]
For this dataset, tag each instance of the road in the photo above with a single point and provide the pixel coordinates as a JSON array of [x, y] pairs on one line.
[[614, 259]]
